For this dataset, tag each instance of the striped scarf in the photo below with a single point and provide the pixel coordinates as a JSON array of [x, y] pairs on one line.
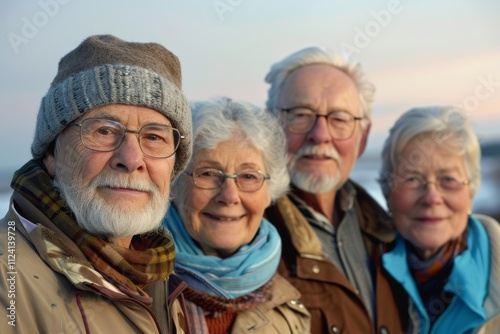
[[151, 260], [424, 270], [431, 275]]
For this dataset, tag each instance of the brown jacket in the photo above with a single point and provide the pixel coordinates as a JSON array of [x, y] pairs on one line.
[[333, 302], [50, 292]]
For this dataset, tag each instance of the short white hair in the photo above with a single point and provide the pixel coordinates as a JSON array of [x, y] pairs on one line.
[[220, 118], [317, 55], [442, 123]]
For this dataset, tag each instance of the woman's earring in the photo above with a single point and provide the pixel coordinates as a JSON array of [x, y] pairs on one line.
[[469, 212]]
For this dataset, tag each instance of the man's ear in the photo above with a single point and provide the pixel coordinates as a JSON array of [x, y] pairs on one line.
[[364, 139], [50, 163]]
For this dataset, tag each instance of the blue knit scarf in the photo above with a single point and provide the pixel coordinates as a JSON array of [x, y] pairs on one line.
[[252, 266]]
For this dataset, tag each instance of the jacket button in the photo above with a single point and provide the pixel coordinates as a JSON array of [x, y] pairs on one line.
[[335, 329], [315, 269], [383, 330], [297, 303]]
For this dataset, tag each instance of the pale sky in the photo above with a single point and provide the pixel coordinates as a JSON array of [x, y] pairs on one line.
[[416, 52]]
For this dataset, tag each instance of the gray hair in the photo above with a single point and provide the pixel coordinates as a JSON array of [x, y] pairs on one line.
[[218, 119], [441, 123], [316, 55]]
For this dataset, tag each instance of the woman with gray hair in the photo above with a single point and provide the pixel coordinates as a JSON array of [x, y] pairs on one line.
[[226, 252], [445, 258]]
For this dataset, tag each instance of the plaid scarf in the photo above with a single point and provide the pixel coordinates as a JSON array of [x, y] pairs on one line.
[[151, 260]]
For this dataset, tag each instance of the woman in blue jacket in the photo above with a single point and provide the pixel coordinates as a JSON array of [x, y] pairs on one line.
[[445, 258]]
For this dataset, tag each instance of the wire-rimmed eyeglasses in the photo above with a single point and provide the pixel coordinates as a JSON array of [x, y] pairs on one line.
[[104, 135], [302, 120], [211, 178], [443, 183]]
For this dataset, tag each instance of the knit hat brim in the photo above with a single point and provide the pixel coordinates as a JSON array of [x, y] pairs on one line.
[[112, 84]]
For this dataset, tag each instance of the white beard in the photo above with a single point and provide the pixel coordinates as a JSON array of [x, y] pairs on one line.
[[310, 182], [97, 217]]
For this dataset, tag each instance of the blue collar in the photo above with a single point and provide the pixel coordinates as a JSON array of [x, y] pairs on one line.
[[468, 280]]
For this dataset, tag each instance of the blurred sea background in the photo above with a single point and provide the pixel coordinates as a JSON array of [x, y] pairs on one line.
[[486, 201]]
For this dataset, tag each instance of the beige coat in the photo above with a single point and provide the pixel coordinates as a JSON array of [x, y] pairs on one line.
[[283, 314], [41, 290]]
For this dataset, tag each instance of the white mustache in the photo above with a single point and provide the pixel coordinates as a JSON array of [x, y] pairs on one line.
[[123, 182], [326, 151]]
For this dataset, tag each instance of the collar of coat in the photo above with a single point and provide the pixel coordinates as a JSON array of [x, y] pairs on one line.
[[374, 222]]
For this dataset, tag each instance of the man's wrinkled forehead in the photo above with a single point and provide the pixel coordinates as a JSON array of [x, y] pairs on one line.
[[320, 85]]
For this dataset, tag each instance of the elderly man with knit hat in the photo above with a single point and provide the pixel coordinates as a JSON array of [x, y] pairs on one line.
[[81, 246]]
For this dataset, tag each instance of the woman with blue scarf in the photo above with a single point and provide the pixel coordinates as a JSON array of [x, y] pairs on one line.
[[226, 252], [446, 259]]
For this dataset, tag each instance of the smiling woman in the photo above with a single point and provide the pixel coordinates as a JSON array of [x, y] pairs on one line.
[[217, 206], [444, 257], [227, 252]]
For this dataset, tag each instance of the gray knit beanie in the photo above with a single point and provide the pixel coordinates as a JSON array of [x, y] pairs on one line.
[[105, 70]]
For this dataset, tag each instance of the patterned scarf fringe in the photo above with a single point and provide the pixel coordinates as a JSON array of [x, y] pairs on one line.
[[214, 307]]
